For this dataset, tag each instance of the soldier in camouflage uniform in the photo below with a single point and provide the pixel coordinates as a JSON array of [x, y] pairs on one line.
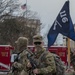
[[45, 60], [20, 65], [73, 60]]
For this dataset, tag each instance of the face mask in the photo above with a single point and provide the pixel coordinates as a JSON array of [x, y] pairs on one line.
[[37, 43]]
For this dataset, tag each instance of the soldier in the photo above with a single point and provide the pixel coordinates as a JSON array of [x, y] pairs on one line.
[[73, 59], [44, 59], [19, 66]]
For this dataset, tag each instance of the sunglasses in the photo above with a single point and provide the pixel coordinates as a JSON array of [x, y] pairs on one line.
[[37, 43]]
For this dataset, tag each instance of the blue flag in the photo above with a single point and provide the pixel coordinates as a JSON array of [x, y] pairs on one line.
[[52, 35], [63, 24]]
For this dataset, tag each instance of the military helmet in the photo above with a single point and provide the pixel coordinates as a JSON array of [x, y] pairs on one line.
[[22, 41], [37, 38]]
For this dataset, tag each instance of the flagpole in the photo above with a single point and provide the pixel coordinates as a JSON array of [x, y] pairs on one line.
[[26, 9], [25, 12], [68, 43]]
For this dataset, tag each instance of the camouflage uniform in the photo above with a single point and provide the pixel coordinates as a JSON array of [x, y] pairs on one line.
[[22, 57], [73, 59], [45, 60]]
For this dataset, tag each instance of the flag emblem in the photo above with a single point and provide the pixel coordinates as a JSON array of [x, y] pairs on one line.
[[23, 6]]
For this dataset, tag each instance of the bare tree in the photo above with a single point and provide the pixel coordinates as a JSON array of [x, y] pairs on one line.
[[8, 6], [11, 27]]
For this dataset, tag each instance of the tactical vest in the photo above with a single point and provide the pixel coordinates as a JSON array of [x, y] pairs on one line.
[[41, 61], [22, 58]]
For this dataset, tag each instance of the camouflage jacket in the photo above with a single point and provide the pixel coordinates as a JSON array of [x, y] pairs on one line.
[[45, 62], [22, 61]]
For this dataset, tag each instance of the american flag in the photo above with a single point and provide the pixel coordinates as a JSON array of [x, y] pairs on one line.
[[23, 6]]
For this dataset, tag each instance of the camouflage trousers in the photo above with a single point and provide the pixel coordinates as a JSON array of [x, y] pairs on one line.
[[18, 73]]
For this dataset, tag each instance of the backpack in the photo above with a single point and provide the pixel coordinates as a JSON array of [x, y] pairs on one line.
[[60, 69], [59, 65]]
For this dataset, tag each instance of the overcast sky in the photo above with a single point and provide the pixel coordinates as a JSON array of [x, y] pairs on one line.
[[48, 11]]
